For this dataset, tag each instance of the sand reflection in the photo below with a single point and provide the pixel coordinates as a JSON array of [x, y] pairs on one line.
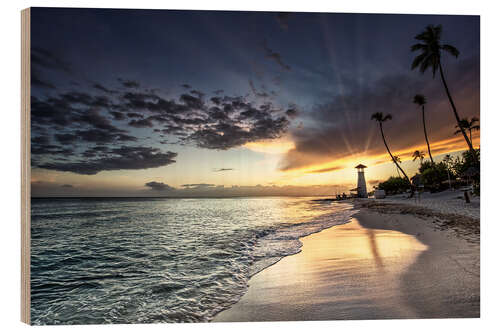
[[354, 270]]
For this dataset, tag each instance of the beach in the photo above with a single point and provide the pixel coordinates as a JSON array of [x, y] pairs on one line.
[[396, 258]]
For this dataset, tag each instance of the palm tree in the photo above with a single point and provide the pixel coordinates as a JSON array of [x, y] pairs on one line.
[[447, 160], [430, 46], [421, 101], [398, 160], [380, 118], [469, 125], [417, 154]]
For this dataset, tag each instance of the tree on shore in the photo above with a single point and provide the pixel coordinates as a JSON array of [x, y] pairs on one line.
[[417, 154], [430, 47], [469, 125], [398, 160], [421, 101], [380, 118]]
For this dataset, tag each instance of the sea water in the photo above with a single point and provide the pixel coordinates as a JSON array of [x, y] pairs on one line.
[[146, 260]]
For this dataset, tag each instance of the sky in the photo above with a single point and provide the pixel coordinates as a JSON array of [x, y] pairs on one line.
[[213, 103]]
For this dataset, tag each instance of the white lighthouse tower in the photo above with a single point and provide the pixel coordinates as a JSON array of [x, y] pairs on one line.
[[362, 193]]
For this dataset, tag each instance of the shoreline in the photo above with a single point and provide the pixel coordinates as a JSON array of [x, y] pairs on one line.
[[390, 261]]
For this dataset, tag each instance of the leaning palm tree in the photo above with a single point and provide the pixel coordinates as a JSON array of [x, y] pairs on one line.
[[469, 125], [430, 47], [379, 117], [398, 160], [421, 101], [417, 154]]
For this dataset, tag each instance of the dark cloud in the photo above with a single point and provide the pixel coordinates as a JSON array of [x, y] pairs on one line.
[[197, 186], [257, 93], [159, 186], [66, 138], [186, 86], [47, 149], [104, 89], [117, 115], [123, 158], [326, 169], [141, 123], [129, 83], [276, 57], [292, 111], [223, 169], [42, 140], [67, 185]]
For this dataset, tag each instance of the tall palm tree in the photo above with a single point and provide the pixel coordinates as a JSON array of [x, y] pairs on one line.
[[469, 125], [421, 101], [430, 47], [398, 160], [417, 154], [379, 117], [447, 160]]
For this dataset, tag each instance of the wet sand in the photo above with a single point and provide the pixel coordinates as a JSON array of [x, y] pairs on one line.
[[378, 266]]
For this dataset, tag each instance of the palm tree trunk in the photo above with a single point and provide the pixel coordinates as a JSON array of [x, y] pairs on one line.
[[425, 133], [392, 157], [473, 152], [470, 134]]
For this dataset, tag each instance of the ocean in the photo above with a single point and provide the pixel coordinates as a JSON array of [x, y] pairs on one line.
[[148, 260]]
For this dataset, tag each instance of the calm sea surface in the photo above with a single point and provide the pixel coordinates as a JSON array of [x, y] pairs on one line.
[[160, 260]]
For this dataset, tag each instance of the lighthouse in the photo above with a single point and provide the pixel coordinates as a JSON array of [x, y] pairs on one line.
[[362, 193]]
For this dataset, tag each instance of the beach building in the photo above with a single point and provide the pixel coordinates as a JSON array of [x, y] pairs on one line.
[[361, 189]]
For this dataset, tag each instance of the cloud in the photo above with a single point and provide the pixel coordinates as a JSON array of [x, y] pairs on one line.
[[276, 57], [124, 158], [197, 186], [70, 128], [223, 169], [156, 186], [129, 83], [326, 169], [103, 89], [256, 92], [292, 111]]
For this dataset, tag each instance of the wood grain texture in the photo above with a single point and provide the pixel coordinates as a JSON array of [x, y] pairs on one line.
[[25, 165]]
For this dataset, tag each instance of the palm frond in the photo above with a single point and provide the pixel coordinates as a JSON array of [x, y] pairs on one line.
[[418, 60], [418, 46], [451, 50]]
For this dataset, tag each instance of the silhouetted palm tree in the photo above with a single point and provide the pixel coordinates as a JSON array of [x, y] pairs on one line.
[[417, 154], [430, 56], [448, 161], [380, 118], [469, 125], [421, 101], [398, 160]]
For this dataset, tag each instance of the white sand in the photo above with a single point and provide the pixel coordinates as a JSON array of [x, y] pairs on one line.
[[377, 266], [446, 202]]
